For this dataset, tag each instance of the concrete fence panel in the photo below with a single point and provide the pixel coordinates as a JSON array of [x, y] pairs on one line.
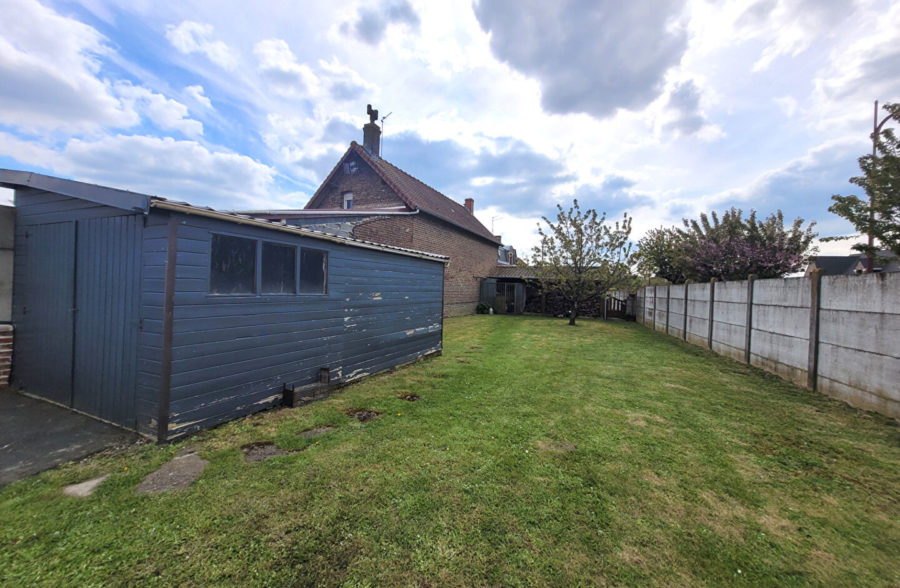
[[698, 314], [676, 310], [661, 308], [730, 319], [859, 341], [779, 342], [839, 335]]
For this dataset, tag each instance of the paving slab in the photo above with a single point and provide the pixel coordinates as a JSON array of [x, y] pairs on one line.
[[37, 436], [178, 473], [84, 489]]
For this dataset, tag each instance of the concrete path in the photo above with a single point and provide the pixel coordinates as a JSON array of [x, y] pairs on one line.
[[36, 436]]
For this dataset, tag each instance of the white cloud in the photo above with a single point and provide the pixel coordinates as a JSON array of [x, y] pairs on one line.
[[197, 95], [790, 26], [160, 166], [49, 68], [194, 37], [591, 56], [518, 231], [167, 114], [280, 68], [27, 152], [864, 69], [372, 21], [169, 167]]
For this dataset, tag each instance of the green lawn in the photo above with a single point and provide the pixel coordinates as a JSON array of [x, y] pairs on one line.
[[538, 454]]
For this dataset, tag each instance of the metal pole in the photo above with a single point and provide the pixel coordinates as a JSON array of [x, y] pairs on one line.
[[870, 262]]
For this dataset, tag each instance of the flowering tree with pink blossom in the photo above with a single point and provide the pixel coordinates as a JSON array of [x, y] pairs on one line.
[[732, 248]]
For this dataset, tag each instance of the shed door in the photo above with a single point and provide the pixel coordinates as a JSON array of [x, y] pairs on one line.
[[106, 323], [44, 309]]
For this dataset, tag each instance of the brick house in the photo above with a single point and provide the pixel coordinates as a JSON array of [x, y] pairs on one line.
[[367, 198]]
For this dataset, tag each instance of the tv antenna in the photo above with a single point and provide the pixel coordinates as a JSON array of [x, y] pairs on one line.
[[383, 118]]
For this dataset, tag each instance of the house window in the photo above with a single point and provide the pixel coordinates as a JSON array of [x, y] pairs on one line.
[[278, 269], [313, 270], [232, 265], [350, 167], [348, 200]]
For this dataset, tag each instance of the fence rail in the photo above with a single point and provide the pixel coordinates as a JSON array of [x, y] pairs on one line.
[[839, 335]]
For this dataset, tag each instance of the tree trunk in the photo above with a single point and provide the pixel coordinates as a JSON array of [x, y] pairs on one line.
[[572, 314]]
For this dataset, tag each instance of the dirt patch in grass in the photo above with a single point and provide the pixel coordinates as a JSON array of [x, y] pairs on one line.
[[636, 420], [555, 446], [462, 361], [640, 420], [775, 524], [651, 477], [362, 415], [261, 451], [723, 515], [408, 396], [439, 376], [632, 557], [820, 560], [310, 433]]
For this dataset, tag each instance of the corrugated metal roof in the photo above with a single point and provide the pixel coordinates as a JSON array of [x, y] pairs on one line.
[[157, 202]]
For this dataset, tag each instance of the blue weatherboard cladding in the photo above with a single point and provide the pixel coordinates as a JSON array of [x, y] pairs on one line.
[[89, 298], [232, 354]]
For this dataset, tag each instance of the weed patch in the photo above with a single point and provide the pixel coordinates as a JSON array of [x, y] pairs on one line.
[[362, 415]]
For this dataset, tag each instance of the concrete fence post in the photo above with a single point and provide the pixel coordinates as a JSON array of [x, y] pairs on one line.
[[750, 279], [815, 296], [712, 301], [654, 307], [687, 287], [668, 306]]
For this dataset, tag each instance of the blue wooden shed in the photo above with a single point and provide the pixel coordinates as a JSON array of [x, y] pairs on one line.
[[166, 318]]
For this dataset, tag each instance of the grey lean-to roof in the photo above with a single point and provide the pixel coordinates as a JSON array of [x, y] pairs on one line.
[[136, 202]]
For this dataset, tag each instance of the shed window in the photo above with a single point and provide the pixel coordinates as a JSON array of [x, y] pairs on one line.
[[278, 268], [313, 269], [232, 265], [348, 200]]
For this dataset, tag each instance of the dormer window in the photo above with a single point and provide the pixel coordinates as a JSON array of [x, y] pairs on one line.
[[350, 167], [348, 200]]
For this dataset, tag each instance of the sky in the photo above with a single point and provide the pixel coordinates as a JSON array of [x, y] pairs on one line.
[[661, 109]]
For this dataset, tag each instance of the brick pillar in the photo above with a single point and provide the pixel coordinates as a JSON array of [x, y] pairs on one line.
[[6, 347]]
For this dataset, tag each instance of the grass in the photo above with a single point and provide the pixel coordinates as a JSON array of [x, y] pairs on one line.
[[538, 454]]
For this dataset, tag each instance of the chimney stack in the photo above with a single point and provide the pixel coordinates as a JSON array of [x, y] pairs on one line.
[[470, 205], [372, 132]]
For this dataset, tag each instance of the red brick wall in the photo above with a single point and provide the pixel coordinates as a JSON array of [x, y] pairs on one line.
[[471, 258], [6, 347], [369, 190]]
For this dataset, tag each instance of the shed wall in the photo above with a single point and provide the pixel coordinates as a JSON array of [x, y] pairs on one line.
[[231, 355]]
